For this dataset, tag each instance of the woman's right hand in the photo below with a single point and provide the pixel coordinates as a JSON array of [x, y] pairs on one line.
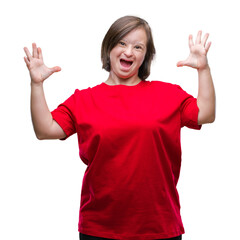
[[37, 69]]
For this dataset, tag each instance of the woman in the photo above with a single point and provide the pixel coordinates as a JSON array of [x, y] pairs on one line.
[[128, 133]]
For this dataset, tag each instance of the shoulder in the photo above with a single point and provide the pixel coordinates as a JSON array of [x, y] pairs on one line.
[[81, 92], [170, 91], [85, 94], [165, 86], [88, 89]]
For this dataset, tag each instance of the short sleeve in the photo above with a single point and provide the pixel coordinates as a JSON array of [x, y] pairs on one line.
[[188, 110], [64, 115]]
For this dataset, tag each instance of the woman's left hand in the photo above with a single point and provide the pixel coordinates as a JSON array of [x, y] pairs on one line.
[[198, 52]]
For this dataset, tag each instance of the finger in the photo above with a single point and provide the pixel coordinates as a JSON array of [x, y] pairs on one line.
[[205, 39], [190, 41], [208, 46], [198, 39], [40, 53], [181, 63], [27, 62], [29, 56], [55, 69], [34, 49]]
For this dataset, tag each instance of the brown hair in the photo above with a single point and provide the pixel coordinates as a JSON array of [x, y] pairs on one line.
[[117, 31]]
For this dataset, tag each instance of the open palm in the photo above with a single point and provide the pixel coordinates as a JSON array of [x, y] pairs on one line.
[[37, 69], [198, 52]]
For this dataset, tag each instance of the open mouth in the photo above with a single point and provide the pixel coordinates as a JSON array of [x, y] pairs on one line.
[[126, 63]]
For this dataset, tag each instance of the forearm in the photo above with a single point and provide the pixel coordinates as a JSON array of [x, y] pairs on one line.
[[41, 116], [206, 96]]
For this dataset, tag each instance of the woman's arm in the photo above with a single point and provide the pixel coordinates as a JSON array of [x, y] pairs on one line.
[[197, 59], [44, 125], [206, 96]]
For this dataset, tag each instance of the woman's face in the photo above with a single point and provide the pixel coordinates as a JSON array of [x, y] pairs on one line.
[[128, 55]]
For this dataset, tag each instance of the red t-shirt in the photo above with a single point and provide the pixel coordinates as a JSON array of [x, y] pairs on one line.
[[129, 137]]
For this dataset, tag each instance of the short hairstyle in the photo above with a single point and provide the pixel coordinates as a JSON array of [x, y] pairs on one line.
[[117, 31]]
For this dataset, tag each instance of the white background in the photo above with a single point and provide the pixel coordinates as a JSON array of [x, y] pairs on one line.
[[40, 181]]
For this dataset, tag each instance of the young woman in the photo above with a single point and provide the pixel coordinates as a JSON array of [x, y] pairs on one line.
[[128, 132]]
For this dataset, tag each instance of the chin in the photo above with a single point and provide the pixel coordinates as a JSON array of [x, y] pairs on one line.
[[126, 75]]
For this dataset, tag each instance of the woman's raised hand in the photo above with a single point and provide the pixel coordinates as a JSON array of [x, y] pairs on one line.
[[37, 69], [198, 52]]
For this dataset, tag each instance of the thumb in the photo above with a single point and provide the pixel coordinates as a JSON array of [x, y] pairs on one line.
[[181, 63], [55, 69]]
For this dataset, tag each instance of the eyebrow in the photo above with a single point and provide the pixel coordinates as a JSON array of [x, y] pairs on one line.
[[138, 43], [142, 44]]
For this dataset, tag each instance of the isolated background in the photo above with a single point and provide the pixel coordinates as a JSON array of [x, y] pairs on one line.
[[40, 181]]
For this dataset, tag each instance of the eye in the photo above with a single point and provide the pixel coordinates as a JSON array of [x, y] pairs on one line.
[[138, 47], [122, 43]]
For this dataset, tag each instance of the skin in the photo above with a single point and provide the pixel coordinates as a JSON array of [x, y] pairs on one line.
[[197, 59], [44, 125], [131, 48]]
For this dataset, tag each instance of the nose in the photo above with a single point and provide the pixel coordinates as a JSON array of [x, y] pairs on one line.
[[128, 51]]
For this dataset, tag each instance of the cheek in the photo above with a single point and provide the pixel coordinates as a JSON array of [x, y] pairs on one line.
[[113, 54], [141, 58]]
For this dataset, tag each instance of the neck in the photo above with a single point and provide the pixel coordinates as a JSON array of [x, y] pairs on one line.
[[114, 80]]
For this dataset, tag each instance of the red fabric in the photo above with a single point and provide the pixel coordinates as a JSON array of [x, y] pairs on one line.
[[129, 137]]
